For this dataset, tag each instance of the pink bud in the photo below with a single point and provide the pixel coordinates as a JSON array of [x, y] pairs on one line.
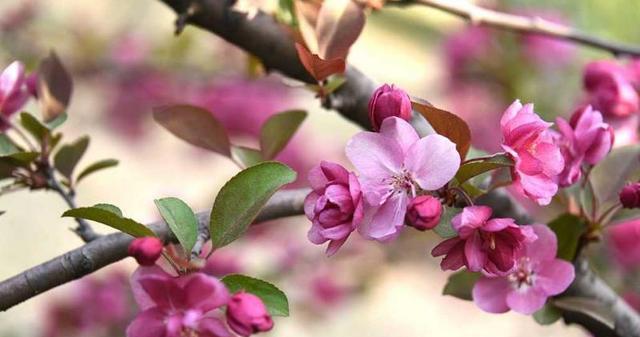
[[247, 314], [630, 196], [424, 212], [32, 84], [388, 101], [146, 250]]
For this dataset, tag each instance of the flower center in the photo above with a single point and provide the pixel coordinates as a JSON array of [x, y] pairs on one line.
[[523, 276], [403, 182]]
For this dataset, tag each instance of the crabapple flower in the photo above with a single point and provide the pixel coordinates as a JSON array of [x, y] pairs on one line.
[[538, 160], [13, 92], [146, 250], [247, 314], [585, 138], [424, 212], [609, 89], [388, 101], [537, 276], [334, 206], [484, 245], [177, 306], [623, 238], [630, 196], [394, 165]]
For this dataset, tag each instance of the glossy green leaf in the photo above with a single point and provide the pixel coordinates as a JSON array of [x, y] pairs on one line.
[[34, 127], [107, 215], [241, 199], [460, 284], [69, 155], [611, 174], [568, 229], [195, 125], [97, 166], [549, 314], [472, 169], [246, 156], [274, 299], [181, 220], [278, 130], [444, 228]]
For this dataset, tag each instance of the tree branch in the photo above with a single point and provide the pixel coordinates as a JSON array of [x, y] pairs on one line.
[[523, 24], [111, 248]]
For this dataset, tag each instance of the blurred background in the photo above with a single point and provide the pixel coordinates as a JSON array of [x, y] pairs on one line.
[[124, 60]]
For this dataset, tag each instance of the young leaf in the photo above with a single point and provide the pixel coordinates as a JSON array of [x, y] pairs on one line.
[[108, 216], [460, 284], [317, 67], [34, 127], [56, 122], [277, 131], [69, 155], [447, 124], [54, 87], [472, 169], [611, 174], [549, 314], [97, 166], [444, 228], [245, 155], [6, 146], [20, 158], [195, 125], [274, 299], [340, 22], [241, 198], [181, 220], [568, 229]]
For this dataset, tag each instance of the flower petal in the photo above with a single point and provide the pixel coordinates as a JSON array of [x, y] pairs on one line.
[[433, 161], [212, 327], [476, 257], [544, 248], [490, 294], [204, 292], [526, 301], [554, 277], [149, 323], [401, 131], [385, 222], [376, 157]]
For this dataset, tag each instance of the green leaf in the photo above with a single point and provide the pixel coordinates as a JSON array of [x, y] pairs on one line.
[[21, 158], [247, 156], [277, 131], [6, 145], [195, 125], [69, 155], [274, 299], [549, 314], [568, 229], [34, 127], [241, 198], [97, 166], [592, 308], [472, 169], [335, 82], [109, 207], [460, 284], [444, 228], [57, 121], [285, 13], [611, 174], [181, 220], [107, 215]]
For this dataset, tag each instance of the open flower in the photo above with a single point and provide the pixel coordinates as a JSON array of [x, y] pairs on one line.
[[538, 160], [482, 244], [538, 275], [177, 306], [394, 164], [335, 205]]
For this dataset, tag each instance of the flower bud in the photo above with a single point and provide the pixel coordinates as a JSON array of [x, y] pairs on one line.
[[246, 314], [388, 101], [146, 250], [630, 196], [424, 212]]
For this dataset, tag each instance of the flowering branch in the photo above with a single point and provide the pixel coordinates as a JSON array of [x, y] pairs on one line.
[[112, 248], [523, 24]]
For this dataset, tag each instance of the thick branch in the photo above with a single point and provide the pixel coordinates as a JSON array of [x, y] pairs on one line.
[[112, 248], [523, 24]]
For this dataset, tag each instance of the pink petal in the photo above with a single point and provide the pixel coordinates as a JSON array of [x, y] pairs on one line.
[[510, 113], [337, 232], [554, 277], [433, 161], [315, 236], [310, 205], [374, 155], [472, 217], [385, 221], [212, 327], [498, 224], [550, 157], [204, 292], [545, 246], [164, 292], [334, 245], [149, 323], [540, 188], [490, 294], [445, 246], [11, 79], [526, 301], [401, 131], [476, 258], [140, 295]]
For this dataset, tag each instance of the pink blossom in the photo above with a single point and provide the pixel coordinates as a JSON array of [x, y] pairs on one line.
[[544, 50], [424, 212], [586, 138], [467, 47], [13, 92], [335, 205], [247, 314], [537, 276], [395, 164], [388, 101], [177, 306], [609, 89], [146, 250], [482, 244], [538, 160], [623, 238], [630, 196]]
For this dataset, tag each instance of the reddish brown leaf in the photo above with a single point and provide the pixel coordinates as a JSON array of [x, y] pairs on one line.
[[447, 124], [318, 68], [54, 87], [340, 22]]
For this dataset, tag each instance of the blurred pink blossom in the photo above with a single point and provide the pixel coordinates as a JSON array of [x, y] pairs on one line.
[[467, 47], [609, 89], [623, 239], [543, 50]]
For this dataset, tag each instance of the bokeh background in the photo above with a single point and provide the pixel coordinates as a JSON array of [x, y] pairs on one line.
[[124, 60]]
